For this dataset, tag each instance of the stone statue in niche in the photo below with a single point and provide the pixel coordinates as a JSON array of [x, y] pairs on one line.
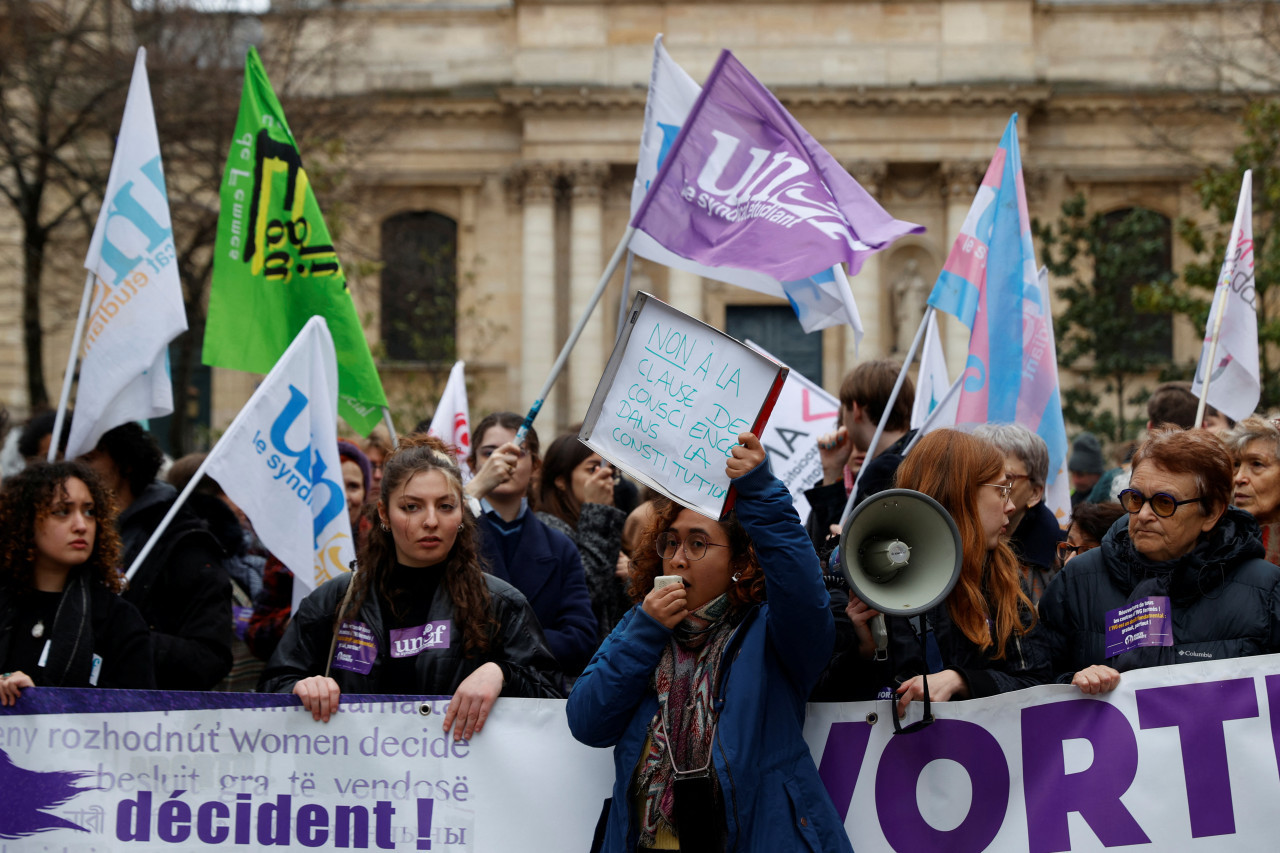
[[909, 293]]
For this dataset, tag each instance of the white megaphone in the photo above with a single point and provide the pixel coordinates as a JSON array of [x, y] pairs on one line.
[[900, 552]]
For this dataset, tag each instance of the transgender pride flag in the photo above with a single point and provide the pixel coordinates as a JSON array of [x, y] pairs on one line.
[[990, 284]]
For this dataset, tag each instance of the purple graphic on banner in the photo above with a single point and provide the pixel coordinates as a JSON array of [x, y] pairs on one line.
[[407, 642], [28, 794], [1141, 623], [357, 648], [746, 186]]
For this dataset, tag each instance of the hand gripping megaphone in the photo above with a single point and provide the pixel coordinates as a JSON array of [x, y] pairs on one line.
[[900, 552]]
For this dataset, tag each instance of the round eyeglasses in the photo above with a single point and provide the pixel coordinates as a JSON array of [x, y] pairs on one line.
[[695, 545], [1163, 504], [1066, 550]]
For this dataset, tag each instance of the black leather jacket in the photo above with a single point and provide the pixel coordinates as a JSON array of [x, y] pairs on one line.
[[517, 645]]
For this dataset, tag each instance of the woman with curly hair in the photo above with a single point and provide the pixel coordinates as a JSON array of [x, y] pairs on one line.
[[62, 621], [420, 616], [982, 640], [701, 688]]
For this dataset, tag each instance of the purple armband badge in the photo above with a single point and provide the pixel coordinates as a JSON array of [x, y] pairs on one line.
[[407, 642], [357, 648], [1145, 622]]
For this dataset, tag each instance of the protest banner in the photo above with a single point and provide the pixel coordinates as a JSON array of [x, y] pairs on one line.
[[1177, 758], [274, 263], [672, 401], [803, 412]]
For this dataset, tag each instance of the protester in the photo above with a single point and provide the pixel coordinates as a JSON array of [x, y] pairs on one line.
[[274, 604], [864, 394], [244, 558], [37, 432], [713, 672], [419, 616], [984, 639], [1089, 523], [576, 493], [376, 447], [1085, 466], [1255, 449], [540, 562], [638, 520], [182, 588], [1184, 555], [1034, 533], [62, 621]]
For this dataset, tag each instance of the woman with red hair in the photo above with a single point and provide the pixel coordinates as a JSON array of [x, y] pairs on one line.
[[982, 640]]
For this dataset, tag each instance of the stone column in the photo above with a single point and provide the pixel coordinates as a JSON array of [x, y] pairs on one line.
[[586, 225], [537, 300], [867, 287], [684, 292], [960, 182]]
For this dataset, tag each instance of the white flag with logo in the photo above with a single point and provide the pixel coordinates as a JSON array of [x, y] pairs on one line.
[[136, 308], [934, 382], [1235, 384], [279, 461], [451, 422], [819, 301]]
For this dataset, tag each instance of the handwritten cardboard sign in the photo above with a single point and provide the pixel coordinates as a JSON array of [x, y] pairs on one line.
[[673, 399]]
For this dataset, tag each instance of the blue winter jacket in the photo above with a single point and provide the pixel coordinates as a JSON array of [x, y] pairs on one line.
[[773, 797]]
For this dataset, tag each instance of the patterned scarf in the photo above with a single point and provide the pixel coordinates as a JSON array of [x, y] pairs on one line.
[[684, 681]]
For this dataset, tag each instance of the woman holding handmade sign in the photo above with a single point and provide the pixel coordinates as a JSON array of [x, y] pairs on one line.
[[701, 688], [1181, 578], [62, 621], [419, 617], [982, 640]]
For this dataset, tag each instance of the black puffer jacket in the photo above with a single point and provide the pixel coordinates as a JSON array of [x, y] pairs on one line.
[[1225, 599], [518, 646]]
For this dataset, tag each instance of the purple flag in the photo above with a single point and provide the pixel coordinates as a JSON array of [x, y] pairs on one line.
[[746, 186]]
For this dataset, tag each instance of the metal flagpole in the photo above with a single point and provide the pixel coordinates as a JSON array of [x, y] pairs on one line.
[[71, 367], [575, 334], [888, 407], [625, 302], [391, 428]]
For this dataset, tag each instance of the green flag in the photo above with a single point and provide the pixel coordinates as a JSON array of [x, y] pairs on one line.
[[274, 266]]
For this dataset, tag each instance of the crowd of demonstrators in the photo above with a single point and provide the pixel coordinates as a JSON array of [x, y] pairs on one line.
[[62, 621], [1034, 532], [519, 548], [576, 497], [273, 605], [1183, 551], [1089, 523], [182, 588], [1085, 466], [864, 396], [983, 639], [1255, 449], [710, 674], [419, 616]]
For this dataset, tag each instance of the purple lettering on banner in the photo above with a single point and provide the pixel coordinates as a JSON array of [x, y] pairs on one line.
[[906, 757], [206, 830], [1051, 793], [133, 818], [281, 815], [841, 761], [1198, 711], [1273, 702], [313, 826], [357, 648]]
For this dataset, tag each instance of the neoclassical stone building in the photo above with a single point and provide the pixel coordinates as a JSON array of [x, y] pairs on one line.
[[502, 183]]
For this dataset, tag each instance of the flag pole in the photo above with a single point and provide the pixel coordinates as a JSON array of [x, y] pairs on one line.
[[71, 367], [391, 427], [888, 408], [624, 303], [575, 334]]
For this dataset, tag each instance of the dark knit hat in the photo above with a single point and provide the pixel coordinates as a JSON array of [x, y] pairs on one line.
[[347, 450], [1086, 455]]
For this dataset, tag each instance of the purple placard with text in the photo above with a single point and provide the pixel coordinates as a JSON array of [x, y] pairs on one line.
[[407, 642], [357, 647], [1141, 623]]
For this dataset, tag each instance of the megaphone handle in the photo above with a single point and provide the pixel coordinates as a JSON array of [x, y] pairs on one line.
[[880, 633], [924, 678]]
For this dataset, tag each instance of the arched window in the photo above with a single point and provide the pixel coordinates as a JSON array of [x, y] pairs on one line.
[[420, 287], [1137, 249]]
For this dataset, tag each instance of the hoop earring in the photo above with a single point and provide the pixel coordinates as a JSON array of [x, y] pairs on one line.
[[737, 576]]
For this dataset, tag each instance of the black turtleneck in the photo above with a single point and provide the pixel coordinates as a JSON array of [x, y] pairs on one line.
[[411, 590]]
